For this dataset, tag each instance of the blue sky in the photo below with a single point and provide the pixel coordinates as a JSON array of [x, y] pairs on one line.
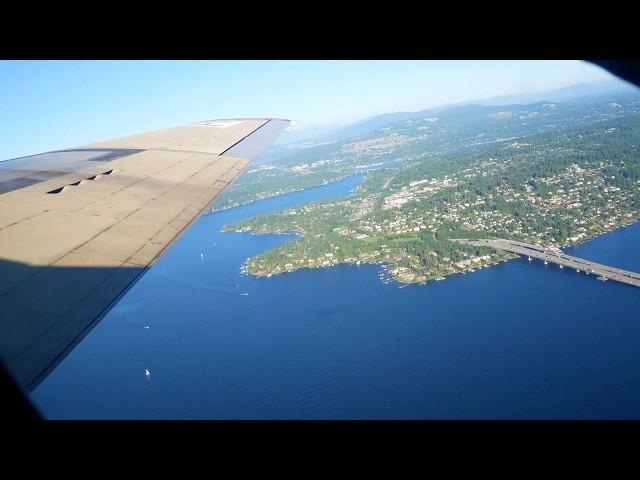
[[47, 105]]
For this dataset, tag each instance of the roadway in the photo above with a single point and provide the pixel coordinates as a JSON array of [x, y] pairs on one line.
[[554, 255]]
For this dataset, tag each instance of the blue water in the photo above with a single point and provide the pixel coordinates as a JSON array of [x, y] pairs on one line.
[[517, 340]]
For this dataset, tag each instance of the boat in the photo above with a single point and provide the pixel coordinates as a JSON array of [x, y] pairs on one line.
[[147, 372]]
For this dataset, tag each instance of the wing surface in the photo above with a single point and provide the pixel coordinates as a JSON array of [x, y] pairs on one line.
[[79, 226]]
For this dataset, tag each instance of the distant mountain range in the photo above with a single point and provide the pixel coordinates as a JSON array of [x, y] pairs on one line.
[[305, 134], [572, 93], [566, 94]]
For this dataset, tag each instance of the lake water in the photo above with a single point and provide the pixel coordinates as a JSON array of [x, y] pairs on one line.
[[516, 340]]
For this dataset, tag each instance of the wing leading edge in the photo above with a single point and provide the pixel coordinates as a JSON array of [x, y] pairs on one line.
[[78, 227]]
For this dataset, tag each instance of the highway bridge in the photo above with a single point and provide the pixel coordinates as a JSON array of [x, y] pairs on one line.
[[555, 255]]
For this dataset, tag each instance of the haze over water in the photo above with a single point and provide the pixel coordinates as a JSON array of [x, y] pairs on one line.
[[516, 340]]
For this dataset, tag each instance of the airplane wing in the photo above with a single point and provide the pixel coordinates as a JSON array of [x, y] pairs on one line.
[[79, 226]]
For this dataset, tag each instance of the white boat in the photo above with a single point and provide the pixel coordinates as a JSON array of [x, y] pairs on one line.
[[147, 372]]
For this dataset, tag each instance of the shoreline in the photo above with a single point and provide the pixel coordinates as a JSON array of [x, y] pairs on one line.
[[363, 172], [218, 210], [406, 282]]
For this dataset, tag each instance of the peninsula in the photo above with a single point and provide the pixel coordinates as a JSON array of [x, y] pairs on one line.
[[554, 189]]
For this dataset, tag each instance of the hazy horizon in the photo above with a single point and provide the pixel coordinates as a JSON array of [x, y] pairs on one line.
[[463, 101], [53, 105]]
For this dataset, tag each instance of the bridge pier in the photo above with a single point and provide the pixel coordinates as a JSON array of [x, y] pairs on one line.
[[602, 272]]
